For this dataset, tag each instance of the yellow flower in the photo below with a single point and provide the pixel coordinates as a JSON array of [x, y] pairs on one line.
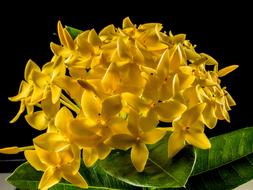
[[145, 34], [75, 130], [37, 83], [190, 128], [83, 132], [142, 131], [173, 73], [100, 113], [218, 104], [120, 79], [25, 91], [166, 111], [44, 119], [43, 80], [63, 163], [68, 46], [102, 116]]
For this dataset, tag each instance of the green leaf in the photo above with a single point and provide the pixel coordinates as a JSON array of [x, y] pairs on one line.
[[225, 177], [225, 149], [26, 177], [98, 179], [159, 172], [228, 164], [73, 31]]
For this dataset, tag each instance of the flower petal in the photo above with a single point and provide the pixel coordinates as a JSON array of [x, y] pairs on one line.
[[107, 31], [60, 31], [176, 143], [169, 110], [149, 122], [62, 120], [152, 88], [30, 66], [24, 91], [118, 126], [192, 96], [154, 135], [47, 68], [90, 156], [51, 141], [20, 111], [123, 50], [111, 79], [56, 93], [71, 86], [199, 140], [37, 95], [121, 141], [69, 41], [75, 164], [33, 159], [94, 39], [59, 68], [86, 141], [50, 177], [46, 157], [91, 105], [67, 156], [133, 122], [175, 84], [192, 115], [221, 112], [38, 120], [209, 116], [231, 101], [163, 65], [103, 150], [40, 79], [175, 58], [84, 47], [111, 106], [50, 108], [82, 127], [56, 49], [139, 156], [127, 23], [76, 180], [134, 101]]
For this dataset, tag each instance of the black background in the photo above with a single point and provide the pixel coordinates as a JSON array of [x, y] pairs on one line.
[[224, 32]]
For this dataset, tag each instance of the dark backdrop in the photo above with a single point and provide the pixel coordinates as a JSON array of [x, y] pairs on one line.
[[223, 32]]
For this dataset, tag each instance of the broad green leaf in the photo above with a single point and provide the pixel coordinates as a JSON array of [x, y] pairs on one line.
[[225, 149], [26, 177], [73, 31], [228, 164], [159, 172], [225, 177]]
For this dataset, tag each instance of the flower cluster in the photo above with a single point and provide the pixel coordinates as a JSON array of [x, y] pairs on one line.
[[110, 91]]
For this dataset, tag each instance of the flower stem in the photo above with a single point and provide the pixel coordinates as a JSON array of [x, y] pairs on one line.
[[66, 99], [70, 106], [26, 148]]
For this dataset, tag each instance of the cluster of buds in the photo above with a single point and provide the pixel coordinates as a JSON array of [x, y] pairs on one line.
[[110, 90]]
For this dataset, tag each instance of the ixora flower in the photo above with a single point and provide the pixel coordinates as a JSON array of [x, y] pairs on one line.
[[110, 90]]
